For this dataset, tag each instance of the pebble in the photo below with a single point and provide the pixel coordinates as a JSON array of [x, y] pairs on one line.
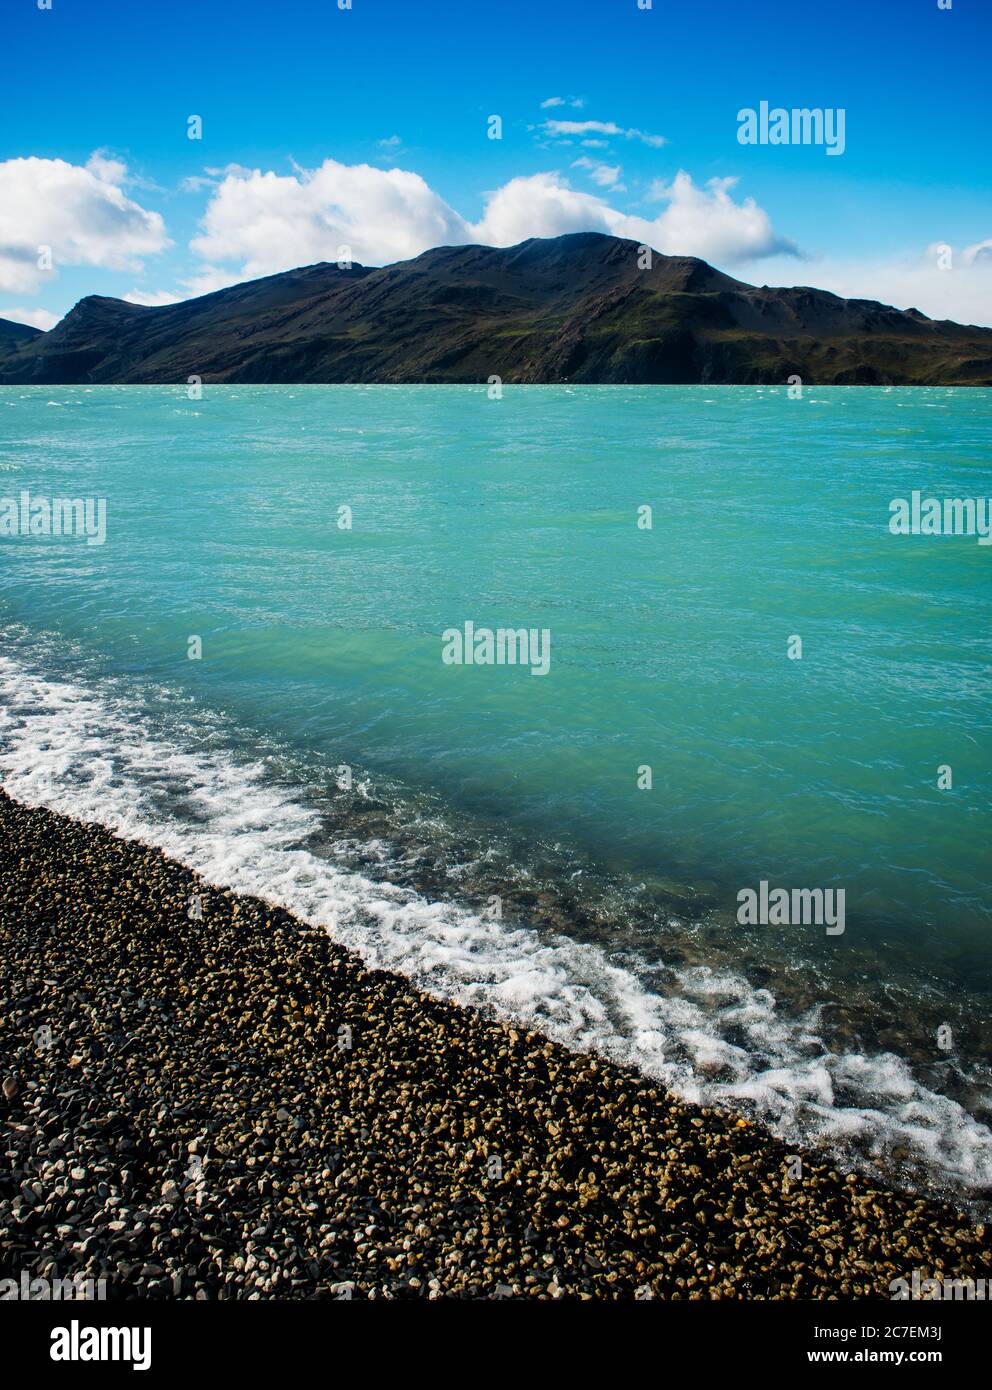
[[194, 1130]]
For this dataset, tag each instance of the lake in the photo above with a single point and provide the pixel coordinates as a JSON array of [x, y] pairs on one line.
[[750, 680]]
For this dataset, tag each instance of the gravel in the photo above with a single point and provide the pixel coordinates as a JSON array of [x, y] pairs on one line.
[[201, 1124]]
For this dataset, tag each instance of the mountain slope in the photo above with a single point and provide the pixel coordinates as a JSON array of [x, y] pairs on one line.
[[572, 308], [11, 332]]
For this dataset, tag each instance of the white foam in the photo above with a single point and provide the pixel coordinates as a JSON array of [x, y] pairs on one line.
[[83, 752]]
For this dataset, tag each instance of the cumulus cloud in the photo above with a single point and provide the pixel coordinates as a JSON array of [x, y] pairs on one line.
[[267, 222], [270, 222], [703, 222], [107, 167], [80, 213], [37, 318], [575, 102]]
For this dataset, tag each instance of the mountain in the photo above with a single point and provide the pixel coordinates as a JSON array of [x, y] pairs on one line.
[[11, 333], [572, 308]]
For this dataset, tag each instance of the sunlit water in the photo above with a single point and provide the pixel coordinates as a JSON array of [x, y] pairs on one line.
[[497, 841]]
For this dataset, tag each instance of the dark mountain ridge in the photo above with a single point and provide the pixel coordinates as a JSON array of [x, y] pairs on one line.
[[11, 332], [565, 309]]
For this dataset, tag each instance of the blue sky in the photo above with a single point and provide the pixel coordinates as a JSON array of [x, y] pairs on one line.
[[368, 128]]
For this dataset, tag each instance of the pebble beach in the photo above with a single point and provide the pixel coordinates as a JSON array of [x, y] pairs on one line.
[[203, 1098]]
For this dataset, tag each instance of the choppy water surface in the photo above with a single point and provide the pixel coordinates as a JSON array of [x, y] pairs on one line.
[[616, 925]]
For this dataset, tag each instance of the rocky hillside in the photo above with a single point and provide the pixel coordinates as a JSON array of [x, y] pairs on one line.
[[572, 308]]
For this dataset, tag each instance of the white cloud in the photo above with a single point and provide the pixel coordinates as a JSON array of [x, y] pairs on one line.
[[539, 205], [107, 167], [963, 292], [703, 222], [270, 222], [576, 103], [151, 298], [606, 175], [196, 183], [265, 222], [209, 278], [204, 280], [81, 213], [37, 318], [390, 142], [566, 128], [979, 253]]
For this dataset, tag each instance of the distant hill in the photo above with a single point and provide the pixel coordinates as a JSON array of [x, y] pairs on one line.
[[11, 332], [563, 309]]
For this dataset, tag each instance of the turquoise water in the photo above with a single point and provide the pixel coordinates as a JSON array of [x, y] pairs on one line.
[[322, 647]]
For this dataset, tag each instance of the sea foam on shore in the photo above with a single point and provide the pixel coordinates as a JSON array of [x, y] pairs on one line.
[[229, 1105], [83, 752]]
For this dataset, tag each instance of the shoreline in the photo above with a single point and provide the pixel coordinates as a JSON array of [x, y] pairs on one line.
[[234, 1106]]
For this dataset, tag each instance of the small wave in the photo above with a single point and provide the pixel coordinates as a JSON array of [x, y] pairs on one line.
[[707, 1035]]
